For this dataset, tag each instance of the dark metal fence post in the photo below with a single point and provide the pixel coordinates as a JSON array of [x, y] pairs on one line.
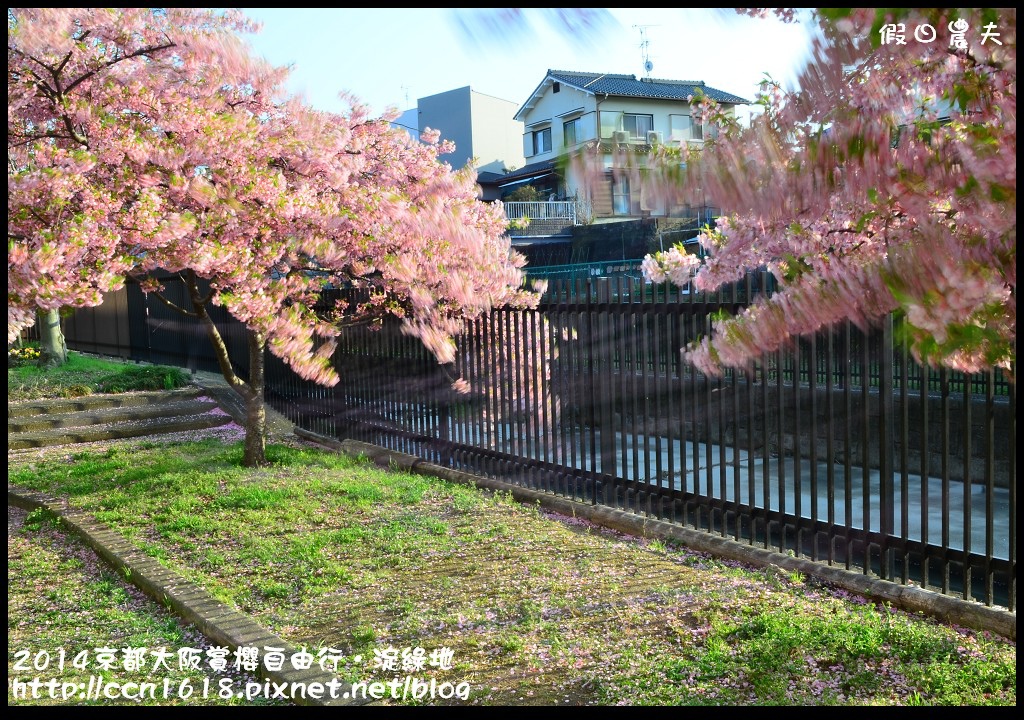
[[886, 445], [601, 386]]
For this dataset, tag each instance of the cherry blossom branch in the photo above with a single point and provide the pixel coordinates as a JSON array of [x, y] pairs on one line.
[[138, 53]]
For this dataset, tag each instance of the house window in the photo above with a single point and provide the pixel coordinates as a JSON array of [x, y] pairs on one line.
[[542, 141], [627, 196], [683, 128], [609, 123], [620, 194], [637, 125], [571, 132]]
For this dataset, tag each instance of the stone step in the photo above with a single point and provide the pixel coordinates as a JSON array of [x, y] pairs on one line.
[[98, 402], [105, 416], [115, 431]]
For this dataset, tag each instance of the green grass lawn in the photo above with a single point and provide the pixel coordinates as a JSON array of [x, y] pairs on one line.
[[64, 604], [332, 552], [86, 375]]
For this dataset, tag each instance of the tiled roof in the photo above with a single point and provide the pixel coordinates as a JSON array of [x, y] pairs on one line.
[[486, 176], [631, 86]]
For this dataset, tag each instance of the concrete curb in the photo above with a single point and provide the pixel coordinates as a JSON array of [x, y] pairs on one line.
[[217, 621], [913, 599]]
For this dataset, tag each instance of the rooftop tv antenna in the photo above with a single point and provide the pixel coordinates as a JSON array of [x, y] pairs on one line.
[[644, 49]]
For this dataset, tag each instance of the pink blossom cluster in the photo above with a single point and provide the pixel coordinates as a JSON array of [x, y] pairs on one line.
[[142, 140], [885, 184], [675, 265]]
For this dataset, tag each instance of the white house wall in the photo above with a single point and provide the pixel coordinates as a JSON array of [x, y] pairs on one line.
[[547, 109], [548, 113], [660, 111], [553, 109]]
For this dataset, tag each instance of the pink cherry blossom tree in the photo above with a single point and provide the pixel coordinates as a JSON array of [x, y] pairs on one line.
[[145, 140], [887, 183]]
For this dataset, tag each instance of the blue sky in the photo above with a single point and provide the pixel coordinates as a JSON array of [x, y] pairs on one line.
[[393, 56]]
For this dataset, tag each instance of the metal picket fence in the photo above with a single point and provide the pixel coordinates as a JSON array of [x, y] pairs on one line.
[[841, 448]]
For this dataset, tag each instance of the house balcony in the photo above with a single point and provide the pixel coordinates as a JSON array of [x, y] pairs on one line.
[[554, 218]]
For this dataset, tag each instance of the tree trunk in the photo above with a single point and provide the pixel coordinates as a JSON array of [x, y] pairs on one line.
[[251, 392], [53, 350], [255, 411]]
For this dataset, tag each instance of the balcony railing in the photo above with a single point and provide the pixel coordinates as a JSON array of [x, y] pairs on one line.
[[564, 210]]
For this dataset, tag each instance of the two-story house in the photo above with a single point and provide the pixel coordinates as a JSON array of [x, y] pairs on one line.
[[572, 110]]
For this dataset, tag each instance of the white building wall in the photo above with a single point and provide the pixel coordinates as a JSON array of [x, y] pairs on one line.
[[495, 135], [481, 126]]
